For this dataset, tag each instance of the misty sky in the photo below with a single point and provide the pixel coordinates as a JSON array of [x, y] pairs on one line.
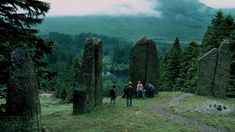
[[118, 7]]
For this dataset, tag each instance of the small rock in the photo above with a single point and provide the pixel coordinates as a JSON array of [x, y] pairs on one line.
[[219, 108], [224, 107]]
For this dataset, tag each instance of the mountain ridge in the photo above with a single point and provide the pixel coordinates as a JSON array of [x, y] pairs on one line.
[[186, 19]]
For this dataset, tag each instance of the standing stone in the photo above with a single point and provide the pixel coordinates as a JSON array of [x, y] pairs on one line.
[[222, 77], [88, 89], [230, 92], [98, 72], [206, 73], [22, 93], [144, 64]]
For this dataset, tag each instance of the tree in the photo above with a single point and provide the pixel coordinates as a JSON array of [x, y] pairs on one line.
[[66, 83], [16, 20], [228, 26], [171, 62], [220, 28], [187, 80]]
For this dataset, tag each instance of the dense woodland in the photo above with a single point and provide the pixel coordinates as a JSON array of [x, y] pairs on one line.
[[179, 66]]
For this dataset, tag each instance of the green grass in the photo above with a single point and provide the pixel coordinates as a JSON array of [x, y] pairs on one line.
[[2, 101], [58, 117], [216, 119]]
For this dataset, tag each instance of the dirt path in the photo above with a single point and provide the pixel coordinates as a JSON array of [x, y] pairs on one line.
[[160, 109]]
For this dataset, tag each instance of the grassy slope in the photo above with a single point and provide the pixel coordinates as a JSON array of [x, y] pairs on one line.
[[58, 116], [109, 118]]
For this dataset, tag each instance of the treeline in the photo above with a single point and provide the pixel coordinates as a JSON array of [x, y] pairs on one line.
[[66, 61], [179, 66]]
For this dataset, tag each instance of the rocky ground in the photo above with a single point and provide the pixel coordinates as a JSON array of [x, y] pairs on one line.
[[163, 111]]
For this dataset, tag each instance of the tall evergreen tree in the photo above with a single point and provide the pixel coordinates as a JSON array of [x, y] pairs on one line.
[[220, 28], [187, 80], [228, 26], [16, 19], [212, 37], [171, 61]]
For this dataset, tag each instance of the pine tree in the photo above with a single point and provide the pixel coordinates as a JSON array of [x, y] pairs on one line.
[[171, 61], [228, 26], [189, 66], [65, 90], [16, 19], [212, 37], [220, 28]]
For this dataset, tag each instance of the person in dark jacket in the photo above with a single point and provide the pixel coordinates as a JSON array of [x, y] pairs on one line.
[[129, 94], [113, 95], [150, 89]]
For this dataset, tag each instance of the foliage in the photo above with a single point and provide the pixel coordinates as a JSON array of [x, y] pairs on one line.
[[187, 80], [170, 67], [186, 63], [220, 28], [16, 19], [65, 85], [67, 58], [110, 80]]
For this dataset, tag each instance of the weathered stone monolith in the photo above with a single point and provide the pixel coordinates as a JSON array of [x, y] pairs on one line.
[[222, 76], [88, 89], [206, 73], [144, 63], [230, 92], [22, 93]]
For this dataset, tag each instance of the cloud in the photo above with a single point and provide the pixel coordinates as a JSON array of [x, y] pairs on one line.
[[104, 7], [219, 3]]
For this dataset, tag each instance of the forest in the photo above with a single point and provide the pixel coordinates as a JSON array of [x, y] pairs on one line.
[[57, 64]]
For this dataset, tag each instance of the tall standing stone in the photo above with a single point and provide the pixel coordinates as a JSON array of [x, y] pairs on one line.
[[98, 72], [144, 63], [206, 73], [230, 92], [88, 90], [222, 76], [22, 93]]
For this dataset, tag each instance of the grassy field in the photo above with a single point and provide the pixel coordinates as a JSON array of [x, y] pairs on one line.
[[58, 117], [215, 118]]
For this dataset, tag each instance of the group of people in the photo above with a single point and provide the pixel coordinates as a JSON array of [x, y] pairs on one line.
[[129, 92]]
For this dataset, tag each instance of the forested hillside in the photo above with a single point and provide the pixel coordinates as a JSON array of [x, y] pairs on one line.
[[179, 17]]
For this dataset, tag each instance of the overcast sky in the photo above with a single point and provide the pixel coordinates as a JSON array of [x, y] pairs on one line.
[[118, 7]]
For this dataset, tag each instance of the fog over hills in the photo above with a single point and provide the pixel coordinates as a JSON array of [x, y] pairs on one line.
[[187, 19]]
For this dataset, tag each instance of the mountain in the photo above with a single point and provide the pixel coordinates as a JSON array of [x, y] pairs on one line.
[[187, 19]]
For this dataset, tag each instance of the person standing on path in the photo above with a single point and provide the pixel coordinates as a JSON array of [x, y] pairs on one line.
[[113, 95], [129, 94], [140, 90]]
